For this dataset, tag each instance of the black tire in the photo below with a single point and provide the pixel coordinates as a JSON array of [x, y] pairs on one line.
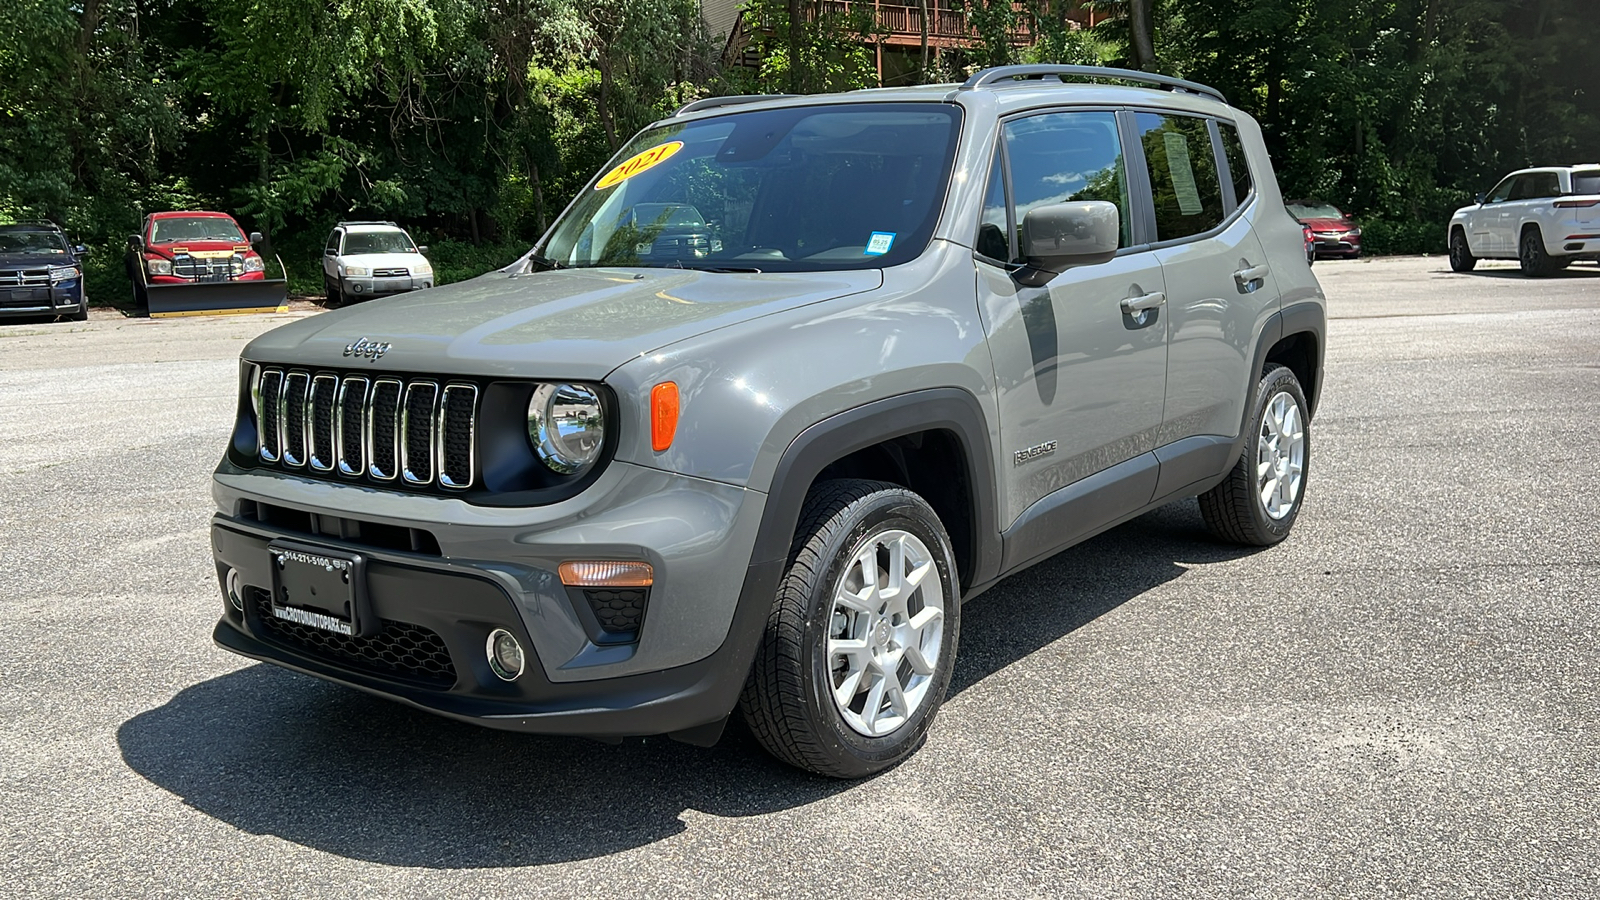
[[1234, 510], [1461, 258], [335, 297], [1530, 253], [788, 700], [82, 315]]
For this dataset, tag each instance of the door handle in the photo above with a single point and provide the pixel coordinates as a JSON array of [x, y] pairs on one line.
[[1252, 274], [1135, 305]]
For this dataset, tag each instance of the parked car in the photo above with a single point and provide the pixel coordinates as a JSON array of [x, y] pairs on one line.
[[362, 260], [948, 331], [1544, 218], [1335, 232], [195, 260], [1311, 244], [41, 274]]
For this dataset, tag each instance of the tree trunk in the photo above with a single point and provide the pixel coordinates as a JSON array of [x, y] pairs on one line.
[[795, 27], [538, 197], [604, 106], [1139, 34], [922, 10]]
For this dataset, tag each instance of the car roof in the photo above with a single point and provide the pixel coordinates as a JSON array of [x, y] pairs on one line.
[[31, 227], [1007, 97], [189, 213], [359, 227]]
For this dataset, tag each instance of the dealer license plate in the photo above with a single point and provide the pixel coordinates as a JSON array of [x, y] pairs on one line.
[[317, 587]]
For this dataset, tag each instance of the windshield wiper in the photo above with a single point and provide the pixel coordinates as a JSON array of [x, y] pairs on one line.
[[535, 259]]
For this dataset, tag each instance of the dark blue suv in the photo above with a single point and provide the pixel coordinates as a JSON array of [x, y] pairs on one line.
[[40, 273]]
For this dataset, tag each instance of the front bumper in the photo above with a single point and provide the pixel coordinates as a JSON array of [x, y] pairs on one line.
[[431, 654], [384, 287], [38, 300], [485, 568], [1338, 244]]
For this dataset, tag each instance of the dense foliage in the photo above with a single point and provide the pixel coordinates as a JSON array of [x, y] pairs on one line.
[[474, 121]]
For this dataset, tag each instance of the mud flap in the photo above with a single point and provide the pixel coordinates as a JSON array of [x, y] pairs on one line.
[[218, 299]]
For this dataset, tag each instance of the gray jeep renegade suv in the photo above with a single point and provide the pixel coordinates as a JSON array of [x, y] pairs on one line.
[[784, 385]]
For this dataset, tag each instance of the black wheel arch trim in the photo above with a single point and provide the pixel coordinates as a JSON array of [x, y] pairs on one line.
[[935, 409]]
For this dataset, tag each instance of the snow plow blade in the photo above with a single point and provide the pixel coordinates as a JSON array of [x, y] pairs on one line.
[[218, 299]]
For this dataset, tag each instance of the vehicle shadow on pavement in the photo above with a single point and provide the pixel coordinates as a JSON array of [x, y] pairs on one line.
[[273, 752], [1514, 273]]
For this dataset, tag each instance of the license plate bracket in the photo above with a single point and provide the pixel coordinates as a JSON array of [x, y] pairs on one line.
[[321, 588]]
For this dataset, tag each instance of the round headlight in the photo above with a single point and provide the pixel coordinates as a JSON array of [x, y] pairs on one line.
[[567, 426]]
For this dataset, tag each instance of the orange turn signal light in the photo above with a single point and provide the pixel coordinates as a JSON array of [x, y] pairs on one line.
[[663, 415], [607, 573]]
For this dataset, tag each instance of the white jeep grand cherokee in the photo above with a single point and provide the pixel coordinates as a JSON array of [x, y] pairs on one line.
[[1544, 218]]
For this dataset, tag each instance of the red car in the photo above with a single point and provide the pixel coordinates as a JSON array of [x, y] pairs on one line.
[[195, 248], [1335, 232]]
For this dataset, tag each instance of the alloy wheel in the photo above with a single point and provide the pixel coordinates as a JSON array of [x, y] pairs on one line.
[[885, 633], [1280, 455]]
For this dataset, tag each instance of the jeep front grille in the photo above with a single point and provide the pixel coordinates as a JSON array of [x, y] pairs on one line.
[[419, 431]]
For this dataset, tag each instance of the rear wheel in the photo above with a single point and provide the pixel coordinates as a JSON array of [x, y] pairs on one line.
[[861, 640], [1260, 499], [1461, 258], [1535, 262]]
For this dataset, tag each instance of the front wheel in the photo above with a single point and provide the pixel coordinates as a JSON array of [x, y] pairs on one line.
[[1461, 258], [1257, 503], [861, 640]]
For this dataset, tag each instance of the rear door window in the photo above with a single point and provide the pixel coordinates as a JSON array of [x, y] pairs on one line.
[[1238, 166], [1183, 174]]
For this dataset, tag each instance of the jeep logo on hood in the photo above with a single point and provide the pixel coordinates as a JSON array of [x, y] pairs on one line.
[[371, 350]]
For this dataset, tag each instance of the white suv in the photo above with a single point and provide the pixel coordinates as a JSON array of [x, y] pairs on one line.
[[1544, 218], [372, 259]]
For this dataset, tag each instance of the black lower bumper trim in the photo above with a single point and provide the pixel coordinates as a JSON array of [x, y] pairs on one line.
[[680, 699]]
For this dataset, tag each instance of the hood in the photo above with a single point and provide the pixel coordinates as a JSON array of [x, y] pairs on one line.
[[166, 250], [1329, 224], [569, 323], [385, 260], [35, 260]]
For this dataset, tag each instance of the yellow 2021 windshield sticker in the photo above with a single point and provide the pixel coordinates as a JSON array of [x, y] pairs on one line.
[[637, 163]]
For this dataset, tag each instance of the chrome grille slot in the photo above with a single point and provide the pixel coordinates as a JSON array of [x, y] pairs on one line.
[[420, 432], [268, 392], [348, 426], [416, 444], [319, 421], [390, 273], [383, 430], [292, 417], [457, 442], [24, 277]]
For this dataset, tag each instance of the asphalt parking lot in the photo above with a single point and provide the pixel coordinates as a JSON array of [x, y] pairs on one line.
[[1401, 700]]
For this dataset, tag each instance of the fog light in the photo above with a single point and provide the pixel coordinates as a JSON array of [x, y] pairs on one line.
[[505, 655], [357, 288], [235, 590]]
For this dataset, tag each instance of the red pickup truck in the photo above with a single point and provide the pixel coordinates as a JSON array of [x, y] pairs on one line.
[[191, 262]]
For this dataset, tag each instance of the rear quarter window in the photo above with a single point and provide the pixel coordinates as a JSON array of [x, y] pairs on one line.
[[1238, 166], [1586, 182]]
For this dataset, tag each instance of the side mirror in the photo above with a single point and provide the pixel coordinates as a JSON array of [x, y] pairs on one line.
[[255, 237], [136, 241], [1478, 198], [1062, 235], [81, 250], [422, 248], [330, 251]]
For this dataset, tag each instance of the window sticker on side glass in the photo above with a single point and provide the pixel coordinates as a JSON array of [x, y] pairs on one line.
[[637, 163], [1182, 174], [879, 243]]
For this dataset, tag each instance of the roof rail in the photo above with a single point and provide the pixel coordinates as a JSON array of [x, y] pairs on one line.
[[363, 222], [33, 223], [715, 102], [989, 77]]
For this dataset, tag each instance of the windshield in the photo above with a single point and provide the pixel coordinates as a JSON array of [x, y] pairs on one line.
[[33, 243], [1586, 182], [789, 190], [194, 228], [1314, 211], [377, 242]]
